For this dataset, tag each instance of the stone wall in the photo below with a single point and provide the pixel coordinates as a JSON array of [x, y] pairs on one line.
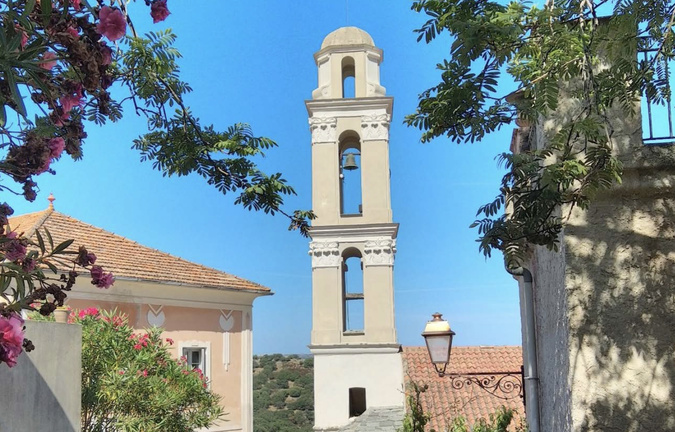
[[42, 392], [620, 277], [605, 305]]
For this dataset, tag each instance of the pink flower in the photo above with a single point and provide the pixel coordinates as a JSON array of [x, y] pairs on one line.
[[112, 23], [169, 341], [71, 100], [28, 265], [145, 373], [73, 32], [96, 273], [48, 61], [92, 311], [106, 54], [106, 281], [11, 338], [159, 11], [121, 372], [56, 146], [14, 249], [138, 347]]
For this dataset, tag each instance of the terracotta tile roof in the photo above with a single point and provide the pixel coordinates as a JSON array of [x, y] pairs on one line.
[[443, 401], [126, 258]]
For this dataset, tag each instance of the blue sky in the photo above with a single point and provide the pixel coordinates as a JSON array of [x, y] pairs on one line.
[[252, 62]]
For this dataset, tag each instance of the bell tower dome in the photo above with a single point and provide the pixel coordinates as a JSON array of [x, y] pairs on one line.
[[357, 360]]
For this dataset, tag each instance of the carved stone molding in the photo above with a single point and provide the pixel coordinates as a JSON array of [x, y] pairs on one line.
[[323, 129], [325, 254], [375, 127], [379, 252]]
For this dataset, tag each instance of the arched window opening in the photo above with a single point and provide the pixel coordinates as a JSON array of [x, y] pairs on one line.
[[357, 401], [348, 78], [350, 177], [352, 291]]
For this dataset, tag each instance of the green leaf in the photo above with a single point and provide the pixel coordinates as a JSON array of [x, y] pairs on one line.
[[63, 246], [30, 5], [41, 242], [14, 91], [46, 7]]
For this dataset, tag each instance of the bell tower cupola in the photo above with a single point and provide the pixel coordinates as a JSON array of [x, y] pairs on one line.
[[348, 53], [357, 360]]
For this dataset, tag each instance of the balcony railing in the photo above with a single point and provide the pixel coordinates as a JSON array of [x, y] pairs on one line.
[[657, 114]]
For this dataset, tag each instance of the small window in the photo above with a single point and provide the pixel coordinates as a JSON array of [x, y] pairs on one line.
[[196, 358], [357, 401]]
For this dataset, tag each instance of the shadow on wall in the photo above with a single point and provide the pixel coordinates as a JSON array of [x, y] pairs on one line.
[[42, 392], [621, 304]]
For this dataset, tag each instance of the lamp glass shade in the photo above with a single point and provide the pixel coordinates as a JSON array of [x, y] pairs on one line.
[[439, 347], [438, 337]]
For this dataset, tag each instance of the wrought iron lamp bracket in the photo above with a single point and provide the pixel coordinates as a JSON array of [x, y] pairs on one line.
[[505, 385]]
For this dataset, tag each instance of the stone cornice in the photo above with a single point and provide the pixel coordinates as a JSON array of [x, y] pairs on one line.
[[354, 231], [351, 107], [366, 348]]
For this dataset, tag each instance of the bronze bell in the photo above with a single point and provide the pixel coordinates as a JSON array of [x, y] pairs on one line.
[[350, 162]]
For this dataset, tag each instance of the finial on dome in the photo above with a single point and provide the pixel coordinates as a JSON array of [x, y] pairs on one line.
[[51, 199]]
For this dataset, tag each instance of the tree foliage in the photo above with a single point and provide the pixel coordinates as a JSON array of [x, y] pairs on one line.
[[561, 50], [63, 65], [283, 396]]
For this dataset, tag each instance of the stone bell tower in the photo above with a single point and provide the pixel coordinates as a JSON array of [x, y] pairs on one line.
[[357, 360]]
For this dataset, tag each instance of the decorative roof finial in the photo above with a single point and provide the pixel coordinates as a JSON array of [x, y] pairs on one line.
[[51, 201]]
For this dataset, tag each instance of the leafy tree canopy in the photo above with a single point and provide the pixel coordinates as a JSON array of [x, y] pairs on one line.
[[560, 47]]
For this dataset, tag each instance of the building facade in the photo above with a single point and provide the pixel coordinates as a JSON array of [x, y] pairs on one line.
[[205, 311], [604, 305], [357, 359]]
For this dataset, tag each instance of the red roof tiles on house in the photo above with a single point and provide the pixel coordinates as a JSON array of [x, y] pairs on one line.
[[126, 258], [443, 402]]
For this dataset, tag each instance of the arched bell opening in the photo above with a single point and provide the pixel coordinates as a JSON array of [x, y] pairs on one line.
[[350, 175], [352, 291], [348, 78]]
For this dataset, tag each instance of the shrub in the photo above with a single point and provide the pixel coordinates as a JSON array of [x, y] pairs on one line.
[[130, 382]]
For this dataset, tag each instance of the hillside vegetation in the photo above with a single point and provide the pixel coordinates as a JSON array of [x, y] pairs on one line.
[[283, 393]]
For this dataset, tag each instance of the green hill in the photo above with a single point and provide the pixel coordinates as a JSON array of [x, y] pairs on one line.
[[283, 393]]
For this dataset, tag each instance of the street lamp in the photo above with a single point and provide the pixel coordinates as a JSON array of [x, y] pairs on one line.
[[438, 337]]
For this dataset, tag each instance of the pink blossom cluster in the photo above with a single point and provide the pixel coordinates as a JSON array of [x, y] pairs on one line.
[[117, 321], [73, 98], [34, 157], [101, 279], [142, 341], [14, 248], [84, 257], [112, 23], [159, 11], [11, 338], [92, 311]]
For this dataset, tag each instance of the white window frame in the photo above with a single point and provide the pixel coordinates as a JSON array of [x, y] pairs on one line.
[[198, 345]]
